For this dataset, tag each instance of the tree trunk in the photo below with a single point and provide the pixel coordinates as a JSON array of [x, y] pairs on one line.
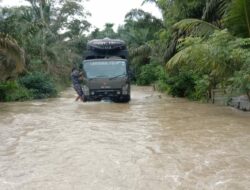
[[41, 5]]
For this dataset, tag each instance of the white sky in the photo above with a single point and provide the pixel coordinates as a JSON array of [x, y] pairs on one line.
[[105, 11], [114, 11]]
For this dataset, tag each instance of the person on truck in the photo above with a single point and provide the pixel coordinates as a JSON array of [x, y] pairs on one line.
[[76, 76]]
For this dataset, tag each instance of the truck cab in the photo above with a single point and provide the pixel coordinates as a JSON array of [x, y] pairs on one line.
[[106, 71]]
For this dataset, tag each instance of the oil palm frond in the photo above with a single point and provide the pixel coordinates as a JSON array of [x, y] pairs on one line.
[[215, 10], [238, 18], [10, 48], [143, 50], [196, 27]]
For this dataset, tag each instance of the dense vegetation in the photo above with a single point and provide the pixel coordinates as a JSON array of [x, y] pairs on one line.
[[38, 46], [199, 45]]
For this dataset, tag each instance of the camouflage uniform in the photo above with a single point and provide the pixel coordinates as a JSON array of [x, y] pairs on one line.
[[76, 83]]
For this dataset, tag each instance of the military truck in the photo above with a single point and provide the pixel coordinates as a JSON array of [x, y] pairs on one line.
[[106, 71]]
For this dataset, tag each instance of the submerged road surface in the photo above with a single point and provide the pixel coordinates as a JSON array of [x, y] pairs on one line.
[[152, 143]]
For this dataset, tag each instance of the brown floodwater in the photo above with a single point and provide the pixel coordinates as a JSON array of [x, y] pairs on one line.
[[153, 143]]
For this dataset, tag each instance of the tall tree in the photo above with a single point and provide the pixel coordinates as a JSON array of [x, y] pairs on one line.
[[12, 61]]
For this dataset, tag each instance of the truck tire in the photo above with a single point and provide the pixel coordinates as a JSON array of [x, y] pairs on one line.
[[125, 99]]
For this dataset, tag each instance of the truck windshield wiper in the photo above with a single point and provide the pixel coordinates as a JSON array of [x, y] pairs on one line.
[[116, 76], [100, 76], [97, 77]]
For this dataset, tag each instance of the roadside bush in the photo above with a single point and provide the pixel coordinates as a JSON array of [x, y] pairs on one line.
[[221, 61], [146, 75], [241, 80], [181, 85], [12, 91], [149, 74], [161, 86], [201, 89], [39, 84], [36, 64]]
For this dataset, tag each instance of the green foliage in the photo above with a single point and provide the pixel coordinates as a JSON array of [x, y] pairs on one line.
[[12, 55], [161, 86], [201, 88], [46, 36], [12, 91], [202, 54], [238, 18], [39, 84], [150, 73], [213, 62], [107, 32], [205, 43], [181, 84], [139, 30], [139, 21], [215, 10], [195, 27], [147, 75], [241, 79]]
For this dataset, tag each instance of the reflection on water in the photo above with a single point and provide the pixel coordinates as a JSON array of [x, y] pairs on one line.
[[154, 142]]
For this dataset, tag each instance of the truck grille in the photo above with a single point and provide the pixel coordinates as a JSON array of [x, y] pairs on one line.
[[106, 92]]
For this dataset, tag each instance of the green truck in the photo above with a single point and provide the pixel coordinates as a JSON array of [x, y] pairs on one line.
[[106, 71]]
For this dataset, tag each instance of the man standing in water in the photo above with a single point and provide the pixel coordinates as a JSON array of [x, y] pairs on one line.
[[75, 77]]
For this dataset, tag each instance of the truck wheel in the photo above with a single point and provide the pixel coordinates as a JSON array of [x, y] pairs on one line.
[[125, 99], [85, 99]]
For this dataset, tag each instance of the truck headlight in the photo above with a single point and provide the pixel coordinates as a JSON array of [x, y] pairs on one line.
[[86, 90], [125, 89]]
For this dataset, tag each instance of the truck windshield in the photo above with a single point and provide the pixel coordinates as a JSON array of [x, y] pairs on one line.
[[105, 69]]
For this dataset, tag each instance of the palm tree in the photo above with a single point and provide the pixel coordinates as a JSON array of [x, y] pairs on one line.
[[234, 14], [12, 56], [238, 18]]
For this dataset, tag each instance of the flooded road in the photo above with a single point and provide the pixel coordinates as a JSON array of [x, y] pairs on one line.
[[152, 143]]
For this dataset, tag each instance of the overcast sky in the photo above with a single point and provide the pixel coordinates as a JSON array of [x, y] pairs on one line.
[[105, 11]]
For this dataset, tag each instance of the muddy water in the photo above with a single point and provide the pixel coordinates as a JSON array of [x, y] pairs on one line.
[[152, 143]]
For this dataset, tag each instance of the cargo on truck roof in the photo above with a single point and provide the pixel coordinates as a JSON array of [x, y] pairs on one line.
[[106, 44], [105, 48]]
